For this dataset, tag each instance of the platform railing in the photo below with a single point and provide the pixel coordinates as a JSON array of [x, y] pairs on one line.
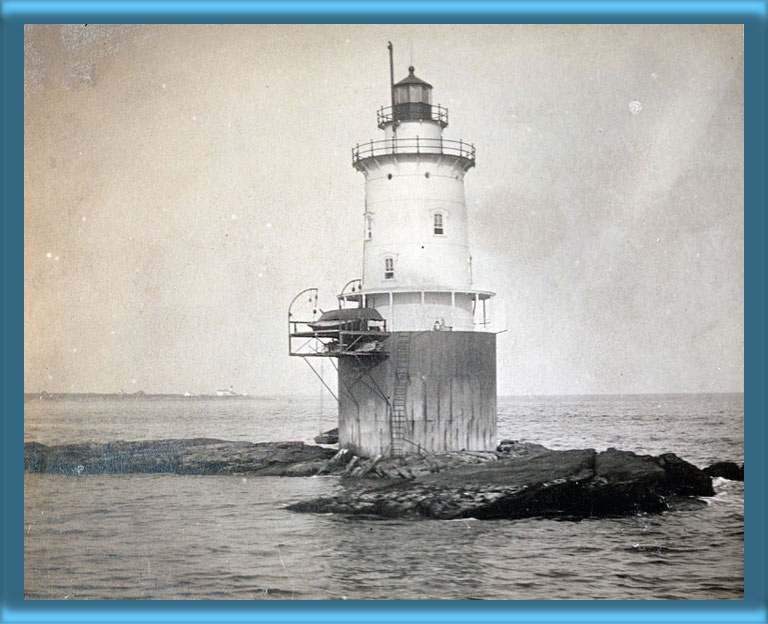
[[354, 336], [436, 113], [414, 145], [347, 338]]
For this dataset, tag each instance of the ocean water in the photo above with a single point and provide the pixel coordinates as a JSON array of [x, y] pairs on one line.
[[164, 536]]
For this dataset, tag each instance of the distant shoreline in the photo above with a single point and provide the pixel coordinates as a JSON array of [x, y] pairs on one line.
[[133, 395], [147, 395]]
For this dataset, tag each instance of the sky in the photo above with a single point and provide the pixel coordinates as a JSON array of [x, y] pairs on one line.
[[183, 183]]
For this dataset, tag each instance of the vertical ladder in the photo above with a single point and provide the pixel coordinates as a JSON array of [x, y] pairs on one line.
[[402, 356]]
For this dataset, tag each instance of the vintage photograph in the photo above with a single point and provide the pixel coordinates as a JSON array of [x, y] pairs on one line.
[[383, 312]]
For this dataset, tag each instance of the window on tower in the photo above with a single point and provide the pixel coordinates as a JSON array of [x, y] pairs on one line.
[[368, 227], [437, 224], [389, 268]]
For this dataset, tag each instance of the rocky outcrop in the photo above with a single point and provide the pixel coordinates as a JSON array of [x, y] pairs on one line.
[[193, 456], [523, 481], [518, 480], [406, 467], [726, 470], [328, 437]]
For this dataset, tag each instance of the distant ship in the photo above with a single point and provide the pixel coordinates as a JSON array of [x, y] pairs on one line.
[[228, 393]]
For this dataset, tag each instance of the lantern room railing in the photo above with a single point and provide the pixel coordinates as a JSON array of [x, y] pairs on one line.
[[433, 112], [414, 145]]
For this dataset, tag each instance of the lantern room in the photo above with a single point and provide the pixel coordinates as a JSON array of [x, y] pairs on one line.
[[412, 98]]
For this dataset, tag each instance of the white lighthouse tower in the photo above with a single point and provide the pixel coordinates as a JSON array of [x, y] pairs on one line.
[[417, 368]]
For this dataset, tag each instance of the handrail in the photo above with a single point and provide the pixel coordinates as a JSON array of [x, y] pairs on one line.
[[436, 112], [414, 145]]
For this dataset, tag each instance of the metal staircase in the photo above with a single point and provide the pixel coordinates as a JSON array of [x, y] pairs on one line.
[[402, 356]]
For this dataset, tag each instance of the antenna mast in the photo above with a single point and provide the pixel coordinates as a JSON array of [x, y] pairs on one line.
[[392, 84]]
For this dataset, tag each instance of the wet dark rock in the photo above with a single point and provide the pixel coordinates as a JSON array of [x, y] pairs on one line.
[[192, 456], [518, 480], [515, 448], [531, 481], [726, 470], [505, 445], [329, 437], [684, 479]]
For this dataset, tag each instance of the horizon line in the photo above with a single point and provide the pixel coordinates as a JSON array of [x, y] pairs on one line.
[[306, 395]]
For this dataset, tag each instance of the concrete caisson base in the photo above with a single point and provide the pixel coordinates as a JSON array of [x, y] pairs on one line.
[[450, 394]]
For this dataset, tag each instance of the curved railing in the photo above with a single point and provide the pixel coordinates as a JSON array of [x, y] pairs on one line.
[[436, 113], [415, 145]]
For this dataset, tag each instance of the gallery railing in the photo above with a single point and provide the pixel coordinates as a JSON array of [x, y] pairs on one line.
[[414, 145]]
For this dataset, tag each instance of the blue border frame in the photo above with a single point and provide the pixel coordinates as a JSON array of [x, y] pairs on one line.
[[13, 16]]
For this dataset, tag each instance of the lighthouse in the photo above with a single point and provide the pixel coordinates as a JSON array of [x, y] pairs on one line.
[[415, 356]]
